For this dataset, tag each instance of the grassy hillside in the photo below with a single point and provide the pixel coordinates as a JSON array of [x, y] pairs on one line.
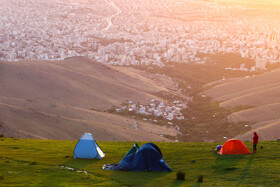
[[25, 162]]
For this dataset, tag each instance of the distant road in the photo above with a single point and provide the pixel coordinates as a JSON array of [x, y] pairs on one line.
[[109, 19]]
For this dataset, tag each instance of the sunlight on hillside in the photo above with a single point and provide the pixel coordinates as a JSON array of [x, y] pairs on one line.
[[138, 68], [254, 3]]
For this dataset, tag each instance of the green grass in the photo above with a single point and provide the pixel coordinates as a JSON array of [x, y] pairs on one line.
[[25, 162]]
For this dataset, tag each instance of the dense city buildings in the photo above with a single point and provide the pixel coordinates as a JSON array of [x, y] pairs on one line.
[[157, 108], [134, 32]]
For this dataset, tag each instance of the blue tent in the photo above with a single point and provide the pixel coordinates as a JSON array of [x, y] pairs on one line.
[[133, 149], [87, 148], [146, 158]]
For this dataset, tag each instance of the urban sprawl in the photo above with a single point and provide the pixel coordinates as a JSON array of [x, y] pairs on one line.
[[137, 32]]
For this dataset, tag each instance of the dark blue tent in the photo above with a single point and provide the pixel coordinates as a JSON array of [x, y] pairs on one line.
[[146, 158]]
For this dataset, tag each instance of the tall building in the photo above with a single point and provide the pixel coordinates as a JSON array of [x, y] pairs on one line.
[[260, 64]]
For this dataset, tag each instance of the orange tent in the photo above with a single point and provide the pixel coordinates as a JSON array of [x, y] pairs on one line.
[[234, 147]]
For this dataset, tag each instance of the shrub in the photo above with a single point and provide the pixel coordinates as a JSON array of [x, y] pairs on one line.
[[33, 163], [1, 135], [180, 175], [200, 178], [1, 177]]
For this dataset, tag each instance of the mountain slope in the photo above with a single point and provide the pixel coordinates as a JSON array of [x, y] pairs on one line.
[[262, 94], [63, 99], [256, 91], [78, 82]]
